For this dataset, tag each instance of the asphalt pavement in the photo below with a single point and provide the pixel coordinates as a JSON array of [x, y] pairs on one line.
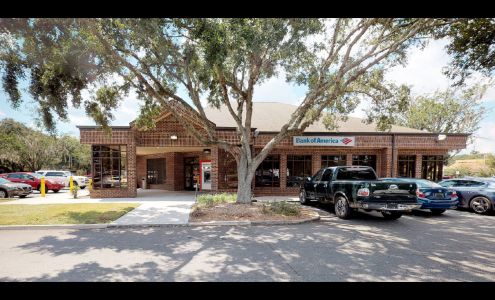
[[457, 246]]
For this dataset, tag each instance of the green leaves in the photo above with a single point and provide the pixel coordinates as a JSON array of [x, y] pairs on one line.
[[450, 111]]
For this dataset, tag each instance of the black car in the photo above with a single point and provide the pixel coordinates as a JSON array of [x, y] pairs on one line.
[[475, 194], [357, 187]]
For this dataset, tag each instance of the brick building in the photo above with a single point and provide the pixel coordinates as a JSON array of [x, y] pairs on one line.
[[169, 158]]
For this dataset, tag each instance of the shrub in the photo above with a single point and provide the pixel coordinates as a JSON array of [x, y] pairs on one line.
[[282, 208], [214, 199]]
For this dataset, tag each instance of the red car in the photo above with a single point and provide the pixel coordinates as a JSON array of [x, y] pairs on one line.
[[34, 180]]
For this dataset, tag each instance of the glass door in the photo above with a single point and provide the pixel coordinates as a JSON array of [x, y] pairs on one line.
[[191, 173]]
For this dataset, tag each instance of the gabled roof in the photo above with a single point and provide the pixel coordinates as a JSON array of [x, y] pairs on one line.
[[271, 116]]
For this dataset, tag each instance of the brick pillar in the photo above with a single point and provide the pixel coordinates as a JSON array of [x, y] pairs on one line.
[[348, 159], [419, 163], [215, 170], [395, 160], [131, 169], [283, 171], [316, 159]]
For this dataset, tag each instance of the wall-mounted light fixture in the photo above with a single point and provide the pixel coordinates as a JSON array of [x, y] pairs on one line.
[[206, 151], [173, 137]]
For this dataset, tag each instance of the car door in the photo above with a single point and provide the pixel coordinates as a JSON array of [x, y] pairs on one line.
[[322, 185], [310, 186], [465, 191]]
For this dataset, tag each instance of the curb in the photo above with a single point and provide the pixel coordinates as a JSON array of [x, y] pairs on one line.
[[114, 226], [61, 226], [255, 223], [221, 223]]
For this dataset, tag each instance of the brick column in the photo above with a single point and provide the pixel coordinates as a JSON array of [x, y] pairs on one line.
[[348, 159], [395, 160], [316, 163], [215, 170], [283, 171], [131, 169], [419, 163]]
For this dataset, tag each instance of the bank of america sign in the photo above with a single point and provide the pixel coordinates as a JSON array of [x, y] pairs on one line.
[[343, 141]]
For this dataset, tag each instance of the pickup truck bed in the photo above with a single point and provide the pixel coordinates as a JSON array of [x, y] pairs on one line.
[[356, 187]]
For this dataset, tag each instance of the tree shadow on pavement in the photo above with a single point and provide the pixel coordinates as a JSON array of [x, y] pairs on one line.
[[456, 246]]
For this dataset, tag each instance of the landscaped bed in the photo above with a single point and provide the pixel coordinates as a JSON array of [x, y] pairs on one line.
[[47, 214], [222, 207]]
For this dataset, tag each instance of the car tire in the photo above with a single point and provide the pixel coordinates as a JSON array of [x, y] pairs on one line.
[[55, 191], [342, 209], [38, 188], [302, 198], [83, 187], [4, 194], [22, 196], [437, 211], [391, 215], [480, 205]]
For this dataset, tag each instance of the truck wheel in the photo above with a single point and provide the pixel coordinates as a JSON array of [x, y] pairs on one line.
[[342, 209], [437, 211], [391, 215], [302, 198]]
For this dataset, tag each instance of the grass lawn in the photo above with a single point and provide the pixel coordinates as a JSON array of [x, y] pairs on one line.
[[5, 200], [77, 213]]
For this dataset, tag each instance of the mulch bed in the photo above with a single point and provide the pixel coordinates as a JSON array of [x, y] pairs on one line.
[[241, 212]]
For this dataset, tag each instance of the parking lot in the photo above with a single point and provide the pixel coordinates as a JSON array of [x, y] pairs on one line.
[[456, 246]]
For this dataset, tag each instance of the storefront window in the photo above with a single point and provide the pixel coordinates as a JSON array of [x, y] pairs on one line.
[[227, 170], [268, 172], [333, 160], [432, 167], [406, 166], [155, 170], [298, 168], [364, 160], [109, 166]]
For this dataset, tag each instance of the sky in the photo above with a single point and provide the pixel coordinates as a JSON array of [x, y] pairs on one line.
[[423, 72]]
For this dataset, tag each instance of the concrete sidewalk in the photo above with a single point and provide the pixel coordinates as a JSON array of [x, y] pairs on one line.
[[158, 207]]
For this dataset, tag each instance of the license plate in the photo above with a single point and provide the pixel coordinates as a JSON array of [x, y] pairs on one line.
[[392, 205], [438, 195]]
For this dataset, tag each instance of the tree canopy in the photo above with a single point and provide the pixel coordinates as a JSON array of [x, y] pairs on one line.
[[215, 61], [26, 149]]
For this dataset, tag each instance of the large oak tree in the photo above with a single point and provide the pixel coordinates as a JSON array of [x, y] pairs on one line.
[[216, 61]]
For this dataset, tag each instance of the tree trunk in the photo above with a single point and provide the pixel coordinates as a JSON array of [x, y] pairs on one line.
[[245, 174]]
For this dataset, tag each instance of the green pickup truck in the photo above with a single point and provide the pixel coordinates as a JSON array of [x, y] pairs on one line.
[[351, 188]]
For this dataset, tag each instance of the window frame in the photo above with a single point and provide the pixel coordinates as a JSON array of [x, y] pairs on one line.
[[105, 156], [410, 161], [270, 159], [307, 165]]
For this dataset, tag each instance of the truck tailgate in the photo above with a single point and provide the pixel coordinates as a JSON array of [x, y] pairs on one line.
[[395, 192]]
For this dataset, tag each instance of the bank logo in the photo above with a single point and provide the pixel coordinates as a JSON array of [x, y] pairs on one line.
[[346, 141]]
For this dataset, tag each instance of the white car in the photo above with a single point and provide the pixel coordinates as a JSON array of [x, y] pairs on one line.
[[81, 181]]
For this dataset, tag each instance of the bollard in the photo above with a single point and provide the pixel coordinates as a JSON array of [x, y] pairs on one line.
[[90, 184], [71, 184], [42, 189]]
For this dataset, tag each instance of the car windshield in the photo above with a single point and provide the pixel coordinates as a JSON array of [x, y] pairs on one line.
[[37, 175], [3, 180], [426, 183], [58, 174]]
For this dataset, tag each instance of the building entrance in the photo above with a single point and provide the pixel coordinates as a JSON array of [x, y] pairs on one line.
[[191, 172]]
